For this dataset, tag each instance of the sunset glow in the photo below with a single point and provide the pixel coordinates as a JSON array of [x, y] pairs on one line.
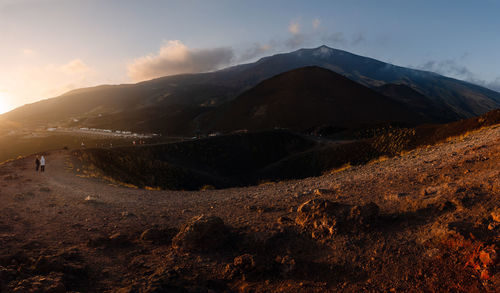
[[50, 47], [4, 102]]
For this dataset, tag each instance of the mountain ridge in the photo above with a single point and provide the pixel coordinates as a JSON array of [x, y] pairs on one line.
[[205, 91], [308, 97]]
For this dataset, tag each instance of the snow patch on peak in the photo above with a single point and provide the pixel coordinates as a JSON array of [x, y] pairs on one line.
[[323, 51]]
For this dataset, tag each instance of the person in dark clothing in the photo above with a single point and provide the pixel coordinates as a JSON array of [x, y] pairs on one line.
[[37, 163]]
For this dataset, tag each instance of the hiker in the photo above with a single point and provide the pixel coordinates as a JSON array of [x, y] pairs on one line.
[[42, 164], [37, 163]]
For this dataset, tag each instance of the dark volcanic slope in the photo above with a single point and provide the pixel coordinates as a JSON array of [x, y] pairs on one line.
[[305, 98], [464, 99], [162, 104], [223, 161], [418, 102], [145, 107], [249, 158]]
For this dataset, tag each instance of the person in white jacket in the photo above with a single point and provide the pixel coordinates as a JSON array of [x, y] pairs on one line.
[[42, 164]]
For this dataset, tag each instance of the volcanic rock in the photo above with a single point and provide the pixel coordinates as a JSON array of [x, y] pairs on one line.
[[364, 215], [119, 239], [495, 215], [115, 240], [202, 234], [51, 283], [249, 267], [46, 264], [158, 236], [326, 218], [244, 263], [287, 264], [6, 275]]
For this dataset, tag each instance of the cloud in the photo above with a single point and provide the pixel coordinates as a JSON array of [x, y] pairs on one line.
[[448, 67], [45, 80], [175, 58], [358, 39], [75, 66], [336, 38], [296, 41], [29, 52], [52, 80], [300, 38], [255, 50], [453, 68], [494, 85], [316, 23], [294, 27]]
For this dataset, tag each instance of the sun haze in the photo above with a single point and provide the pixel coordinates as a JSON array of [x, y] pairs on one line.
[[5, 100], [52, 46]]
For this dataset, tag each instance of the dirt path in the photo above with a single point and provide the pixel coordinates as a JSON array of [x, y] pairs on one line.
[[46, 214]]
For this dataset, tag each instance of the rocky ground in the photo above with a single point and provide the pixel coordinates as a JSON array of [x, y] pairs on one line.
[[427, 220]]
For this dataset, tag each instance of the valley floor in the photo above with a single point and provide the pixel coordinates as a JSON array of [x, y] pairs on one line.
[[436, 229]]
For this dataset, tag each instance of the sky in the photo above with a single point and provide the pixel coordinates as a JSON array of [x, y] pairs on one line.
[[48, 47]]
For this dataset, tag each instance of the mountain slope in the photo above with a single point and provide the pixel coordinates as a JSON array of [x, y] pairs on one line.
[[463, 98], [138, 107], [146, 105], [240, 159], [306, 98], [420, 103]]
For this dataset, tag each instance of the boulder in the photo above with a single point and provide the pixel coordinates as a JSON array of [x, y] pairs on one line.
[[51, 283], [364, 215], [6, 275], [322, 216], [158, 236], [114, 241], [241, 266], [119, 240], [325, 218], [151, 235], [202, 234], [68, 265], [495, 215], [249, 267], [283, 220], [286, 264], [244, 262], [49, 263]]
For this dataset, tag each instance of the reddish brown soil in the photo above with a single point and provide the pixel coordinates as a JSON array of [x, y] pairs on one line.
[[437, 229]]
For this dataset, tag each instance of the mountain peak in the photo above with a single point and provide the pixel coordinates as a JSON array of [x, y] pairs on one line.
[[323, 47], [323, 51]]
